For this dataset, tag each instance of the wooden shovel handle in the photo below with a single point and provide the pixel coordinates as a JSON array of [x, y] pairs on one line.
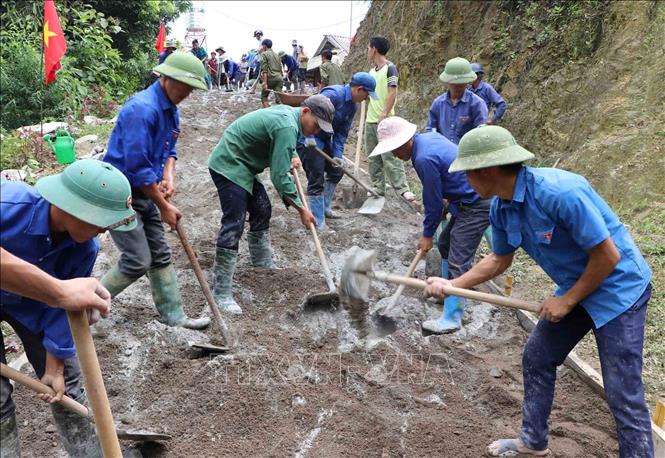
[[453, 291], [409, 272], [315, 235], [94, 383], [39, 387], [346, 172], [194, 262], [361, 131]]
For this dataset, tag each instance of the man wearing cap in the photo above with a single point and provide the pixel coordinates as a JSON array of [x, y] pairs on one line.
[[487, 92], [322, 177], [291, 65], [271, 72], [331, 74], [386, 166], [256, 141], [53, 227], [603, 283], [458, 110], [431, 155], [142, 146], [170, 47]]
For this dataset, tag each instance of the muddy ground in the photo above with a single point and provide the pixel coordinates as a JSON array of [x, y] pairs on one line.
[[312, 384]]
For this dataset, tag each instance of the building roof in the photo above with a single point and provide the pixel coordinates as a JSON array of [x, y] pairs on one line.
[[332, 42]]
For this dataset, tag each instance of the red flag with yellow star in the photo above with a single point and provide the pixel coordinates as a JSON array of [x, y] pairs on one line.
[[54, 41], [160, 45]]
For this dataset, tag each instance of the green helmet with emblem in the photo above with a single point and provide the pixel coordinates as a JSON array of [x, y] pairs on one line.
[[281, 54], [94, 192], [488, 146], [458, 71], [184, 67]]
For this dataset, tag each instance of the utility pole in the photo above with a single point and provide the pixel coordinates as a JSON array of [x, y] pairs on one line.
[[351, 21]]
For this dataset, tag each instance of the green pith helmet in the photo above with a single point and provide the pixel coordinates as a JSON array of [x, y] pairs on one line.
[[94, 192], [488, 146], [458, 71], [281, 54], [184, 67]]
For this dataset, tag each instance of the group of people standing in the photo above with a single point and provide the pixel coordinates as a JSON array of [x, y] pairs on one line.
[[468, 168]]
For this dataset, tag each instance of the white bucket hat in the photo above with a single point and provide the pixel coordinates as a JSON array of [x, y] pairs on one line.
[[393, 132]]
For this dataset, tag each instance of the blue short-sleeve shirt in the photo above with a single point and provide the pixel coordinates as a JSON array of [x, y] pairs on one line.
[[453, 121], [555, 216], [144, 136], [25, 233]]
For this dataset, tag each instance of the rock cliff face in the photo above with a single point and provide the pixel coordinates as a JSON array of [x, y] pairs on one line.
[[584, 80]]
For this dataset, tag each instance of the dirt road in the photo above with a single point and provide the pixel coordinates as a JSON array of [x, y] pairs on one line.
[[315, 384]]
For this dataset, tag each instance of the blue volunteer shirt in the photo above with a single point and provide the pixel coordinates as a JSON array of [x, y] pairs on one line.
[[200, 53], [25, 233], [231, 68], [345, 110], [431, 157], [290, 62], [492, 99], [555, 216], [163, 55], [454, 121], [144, 136]]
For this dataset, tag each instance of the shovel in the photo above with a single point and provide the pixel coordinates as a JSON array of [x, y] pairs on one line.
[[217, 316], [329, 299], [373, 204], [359, 269], [359, 141], [384, 306], [74, 406]]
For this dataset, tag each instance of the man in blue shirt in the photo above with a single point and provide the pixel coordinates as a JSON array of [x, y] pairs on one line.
[[458, 110], [170, 47], [487, 92], [54, 227], [431, 155], [322, 177], [603, 283], [142, 146], [292, 67]]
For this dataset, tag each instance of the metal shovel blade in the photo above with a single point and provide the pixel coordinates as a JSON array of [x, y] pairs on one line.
[[353, 283], [372, 205], [141, 435], [326, 302]]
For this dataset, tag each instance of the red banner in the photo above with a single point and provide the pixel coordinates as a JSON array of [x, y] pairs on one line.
[[54, 41], [160, 45]]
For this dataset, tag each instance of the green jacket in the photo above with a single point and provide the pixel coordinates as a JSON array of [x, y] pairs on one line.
[[258, 140], [331, 74], [271, 64]]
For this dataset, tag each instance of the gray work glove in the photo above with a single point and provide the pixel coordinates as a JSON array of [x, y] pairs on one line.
[[310, 143], [338, 162]]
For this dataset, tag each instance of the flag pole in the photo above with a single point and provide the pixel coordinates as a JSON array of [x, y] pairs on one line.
[[41, 96]]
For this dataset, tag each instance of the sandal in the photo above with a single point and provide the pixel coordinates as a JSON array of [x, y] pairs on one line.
[[409, 196], [510, 447]]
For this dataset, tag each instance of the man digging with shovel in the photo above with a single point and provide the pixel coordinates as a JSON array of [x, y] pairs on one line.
[[322, 176], [256, 141], [142, 146], [431, 155], [54, 228], [603, 284]]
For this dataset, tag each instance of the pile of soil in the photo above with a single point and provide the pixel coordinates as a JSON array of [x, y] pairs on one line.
[[311, 383]]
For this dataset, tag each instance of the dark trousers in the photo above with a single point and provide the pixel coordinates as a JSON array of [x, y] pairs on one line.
[[145, 246], [318, 170], [460, 238], [236, 203], [620, 345], [36, 354]]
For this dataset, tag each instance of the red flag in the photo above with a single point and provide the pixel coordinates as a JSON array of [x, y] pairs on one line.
[[160, 45], [54, 41]]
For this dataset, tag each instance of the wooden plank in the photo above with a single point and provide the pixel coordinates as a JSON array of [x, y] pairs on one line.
[[658, 441]]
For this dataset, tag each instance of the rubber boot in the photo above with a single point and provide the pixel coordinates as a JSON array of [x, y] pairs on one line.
[[451, 318], [488, 236], [77, 433], [444, 268], [260, 252], [316, 205], [115, 281], [166, 295], [329, 196], [9, 442], [225, 266]]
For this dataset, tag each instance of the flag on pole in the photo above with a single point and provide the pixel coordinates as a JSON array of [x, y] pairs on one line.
[[160, 45], [54, 41]]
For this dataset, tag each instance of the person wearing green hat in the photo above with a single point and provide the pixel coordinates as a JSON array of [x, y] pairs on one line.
[[458, 110], [603, 283], [53, 227], [252, 143], [142, 146]]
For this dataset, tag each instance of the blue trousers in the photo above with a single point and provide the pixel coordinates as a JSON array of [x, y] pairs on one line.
[[460, 238], [620, 343], [236, 203]]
